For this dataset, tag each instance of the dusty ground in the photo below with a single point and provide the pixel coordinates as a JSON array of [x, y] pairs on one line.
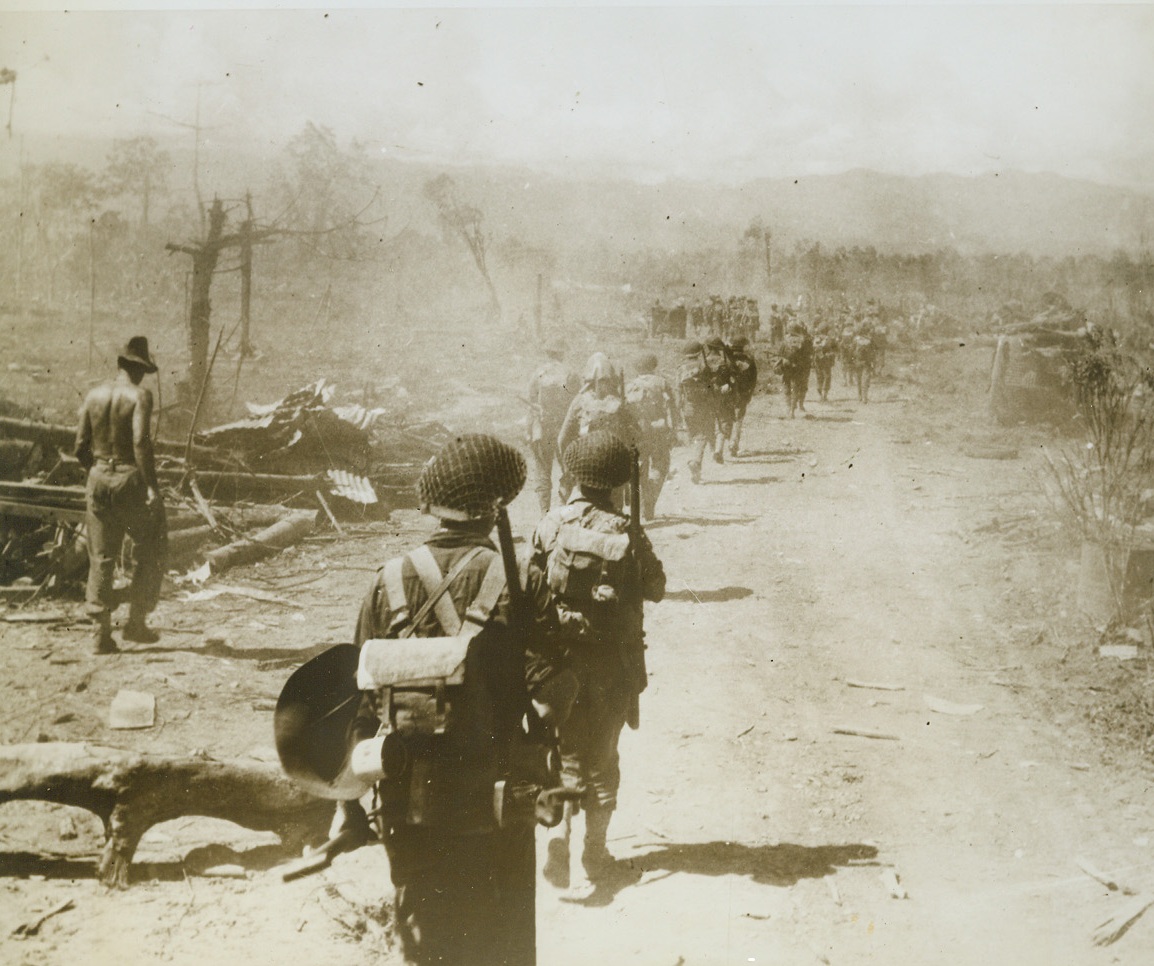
[[867, 544]]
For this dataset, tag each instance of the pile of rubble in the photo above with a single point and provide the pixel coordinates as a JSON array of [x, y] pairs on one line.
[[255, 485]]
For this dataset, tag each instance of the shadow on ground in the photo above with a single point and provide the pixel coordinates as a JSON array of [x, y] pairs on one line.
[[743, 481], [784, 454], [27, 864], [674, 521], [719, 596], [281, 655], [775, 865]]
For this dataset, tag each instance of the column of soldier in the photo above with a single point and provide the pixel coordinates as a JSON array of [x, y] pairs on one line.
[[483, 696], [480, 697]]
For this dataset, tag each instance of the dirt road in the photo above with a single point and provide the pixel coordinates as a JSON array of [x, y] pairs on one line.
[[840, 550], [859, 546]]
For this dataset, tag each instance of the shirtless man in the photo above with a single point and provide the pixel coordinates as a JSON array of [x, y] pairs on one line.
[[114, 443]]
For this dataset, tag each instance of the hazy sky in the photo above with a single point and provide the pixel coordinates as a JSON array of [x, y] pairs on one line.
[[701, 92]]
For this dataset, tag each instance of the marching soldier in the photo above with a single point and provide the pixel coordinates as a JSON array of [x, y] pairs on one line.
[[722, 379], [824, 353], [465, 881], [695, 397], [551, 390], [744, 386], [599, 405], [600, 569], [864, 355], [654, 406], [114, 444], [796, 359]]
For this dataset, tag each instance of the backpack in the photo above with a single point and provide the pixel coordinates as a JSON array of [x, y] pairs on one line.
[[744, 375], [435, 709], [586, 565], [693, 381], [647, 396]]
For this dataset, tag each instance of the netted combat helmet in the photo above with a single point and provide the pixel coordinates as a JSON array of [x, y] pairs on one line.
[[470, 477], [599, 368], [646, 362], [691, 348], [739, 343], [599, 460]]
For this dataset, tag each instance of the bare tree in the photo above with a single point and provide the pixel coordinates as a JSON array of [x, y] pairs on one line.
[[464, 220], [204, 258]]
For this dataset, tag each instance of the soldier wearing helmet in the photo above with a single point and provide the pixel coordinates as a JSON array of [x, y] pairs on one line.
[[599, 574], [654, 406], [695, 398], [599, 405], [744, 385], [825, 349], [551, 390], [794, 362], [465, 883], [721, 376]]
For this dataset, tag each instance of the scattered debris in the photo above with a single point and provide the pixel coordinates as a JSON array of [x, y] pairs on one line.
[[1110, 882], [942, 706], [225, 872], [36, 617], [834, 893], [272, 539], [1123, 652], [132, 709], [1115, 927], [890, 880], [234, 590], [861, 733], [346, 462], [32, 928]]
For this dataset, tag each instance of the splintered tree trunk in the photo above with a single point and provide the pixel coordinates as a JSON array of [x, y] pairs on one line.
[[200, 305], [131, 792]]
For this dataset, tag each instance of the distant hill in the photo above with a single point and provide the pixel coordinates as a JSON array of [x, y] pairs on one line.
[[1008, 212]]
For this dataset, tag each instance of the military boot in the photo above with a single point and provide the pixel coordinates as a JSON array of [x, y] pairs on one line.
[[596, 858], [103, 636], [136, 630], [556, 869]]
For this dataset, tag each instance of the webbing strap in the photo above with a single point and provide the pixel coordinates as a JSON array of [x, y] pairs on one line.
[[430, 574], [395, 591], [478, 612]]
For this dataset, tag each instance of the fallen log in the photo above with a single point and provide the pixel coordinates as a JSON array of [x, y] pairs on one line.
[[63, 438], [131, 792], [279, 536], [185, 544], [232, 487]]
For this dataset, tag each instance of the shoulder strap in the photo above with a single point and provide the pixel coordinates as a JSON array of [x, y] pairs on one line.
[[436, 585], [481, 609]]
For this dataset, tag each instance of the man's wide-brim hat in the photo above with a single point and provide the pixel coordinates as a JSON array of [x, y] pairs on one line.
[[470, 477], [135, 352], [599, 460]]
